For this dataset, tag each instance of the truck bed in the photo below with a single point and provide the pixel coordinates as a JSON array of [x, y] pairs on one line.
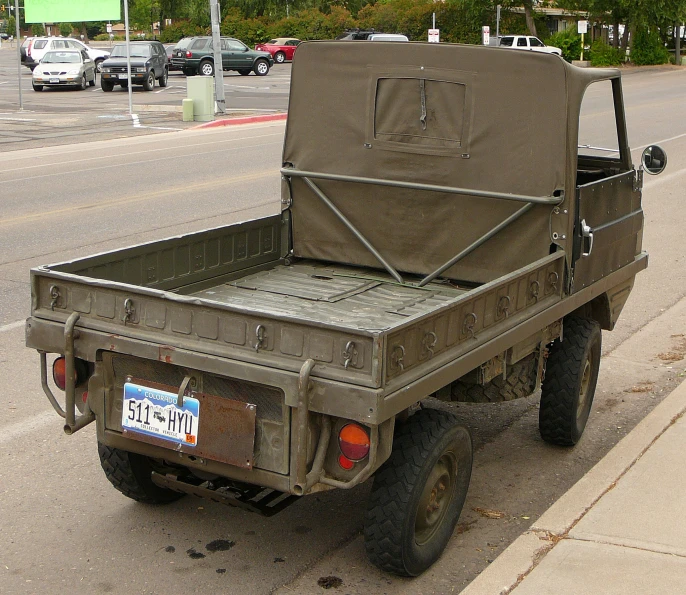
[[349, 297], [235, 293]]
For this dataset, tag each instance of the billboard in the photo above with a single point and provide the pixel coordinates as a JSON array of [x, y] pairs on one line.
[[71, 11]]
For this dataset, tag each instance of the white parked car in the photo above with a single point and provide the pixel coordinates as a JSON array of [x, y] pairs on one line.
[[387, 37], [64, 68], [528, 42], [33, 50]]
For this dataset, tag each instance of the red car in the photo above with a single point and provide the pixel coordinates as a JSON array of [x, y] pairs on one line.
[[281, 48]]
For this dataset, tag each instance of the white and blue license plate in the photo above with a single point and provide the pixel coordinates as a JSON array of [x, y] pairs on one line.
[[123, 76], [54, 81], [155, 412]]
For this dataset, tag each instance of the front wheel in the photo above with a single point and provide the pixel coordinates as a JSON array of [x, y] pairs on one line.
[[106, 86], [37, 87], [206, 68], [261, 67], [149, 82], [418, 494], [98, 64], [279, 57], [569, 384], [131, 474]]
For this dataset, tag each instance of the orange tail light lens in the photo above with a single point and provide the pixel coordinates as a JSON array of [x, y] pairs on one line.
[[59, 373], [353, 442]]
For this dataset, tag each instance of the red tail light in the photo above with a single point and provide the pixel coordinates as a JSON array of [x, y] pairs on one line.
[[28, 49], [353, 442], [189, 54]]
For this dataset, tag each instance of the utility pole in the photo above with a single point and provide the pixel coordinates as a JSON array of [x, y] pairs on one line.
[[219, 97]]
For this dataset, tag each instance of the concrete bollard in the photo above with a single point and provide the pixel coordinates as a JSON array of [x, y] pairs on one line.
[[187, 108]]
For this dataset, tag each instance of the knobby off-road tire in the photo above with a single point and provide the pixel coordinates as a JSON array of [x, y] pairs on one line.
[[570, 380], [520, 382], [130, 473], [418, 494]]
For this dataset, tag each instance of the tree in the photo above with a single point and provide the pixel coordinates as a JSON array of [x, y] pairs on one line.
[[66, 29]]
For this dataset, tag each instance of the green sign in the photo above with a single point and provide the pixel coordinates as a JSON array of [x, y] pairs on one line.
[[71, 11]]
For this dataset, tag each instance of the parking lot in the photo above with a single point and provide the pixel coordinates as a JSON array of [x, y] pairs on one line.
[[64, 115]]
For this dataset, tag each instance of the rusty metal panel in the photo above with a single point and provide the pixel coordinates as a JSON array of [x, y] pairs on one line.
[[226, 430]]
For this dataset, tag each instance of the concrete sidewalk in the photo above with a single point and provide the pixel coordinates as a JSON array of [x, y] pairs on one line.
[[621, 529]]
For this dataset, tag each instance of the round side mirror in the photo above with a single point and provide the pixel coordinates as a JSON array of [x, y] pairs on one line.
[[654, 160]]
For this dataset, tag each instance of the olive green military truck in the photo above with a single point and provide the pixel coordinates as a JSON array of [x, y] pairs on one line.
[[441, 234]]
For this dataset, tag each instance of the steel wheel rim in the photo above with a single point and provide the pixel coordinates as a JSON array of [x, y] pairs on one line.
[[436, 498], [583, 389], [207, 69], [262, 68]]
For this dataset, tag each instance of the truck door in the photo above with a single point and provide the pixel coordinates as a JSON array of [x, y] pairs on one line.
[[609, 218]]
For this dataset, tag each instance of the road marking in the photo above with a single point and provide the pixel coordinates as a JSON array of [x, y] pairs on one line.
[[22, 428], [11, 326], [141, 197], [19, 119]]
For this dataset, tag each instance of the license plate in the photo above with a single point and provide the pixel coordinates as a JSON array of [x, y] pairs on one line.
[[55, 81], [122, 76], [155, 412]]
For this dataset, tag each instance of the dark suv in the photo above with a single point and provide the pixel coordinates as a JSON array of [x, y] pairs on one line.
[[195, 55], [148, 62]]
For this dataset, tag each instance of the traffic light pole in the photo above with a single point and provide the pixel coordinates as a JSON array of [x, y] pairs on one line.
[[18, 38]]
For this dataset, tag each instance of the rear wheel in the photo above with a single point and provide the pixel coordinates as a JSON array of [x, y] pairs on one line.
[[279, 57], [131, 473], [84, 82], [92, 81], [106, 86], [244, 71], [206, 68], [149, 82], [98, 64], [261, 67], [570, 380], [418, 494], [163, 80]]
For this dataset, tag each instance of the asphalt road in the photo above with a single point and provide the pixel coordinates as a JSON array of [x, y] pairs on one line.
[[63, 116], [62, 526]]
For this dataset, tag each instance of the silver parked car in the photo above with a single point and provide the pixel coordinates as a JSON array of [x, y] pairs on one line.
[[64, 68]]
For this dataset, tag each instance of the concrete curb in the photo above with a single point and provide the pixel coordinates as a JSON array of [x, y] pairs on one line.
[[524, 554], [240, 120]]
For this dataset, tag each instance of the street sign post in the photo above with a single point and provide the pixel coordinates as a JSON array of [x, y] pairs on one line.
[[582, 28]]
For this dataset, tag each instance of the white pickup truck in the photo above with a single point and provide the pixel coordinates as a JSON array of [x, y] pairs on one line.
[[528, 42]]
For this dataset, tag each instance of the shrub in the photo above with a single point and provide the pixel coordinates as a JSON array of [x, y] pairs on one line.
[[602, 54], [180, 29], [106, 37], [37, 30], [569, 41], [647, 48]]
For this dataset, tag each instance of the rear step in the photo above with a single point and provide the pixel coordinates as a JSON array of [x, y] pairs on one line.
[[264, 501]]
